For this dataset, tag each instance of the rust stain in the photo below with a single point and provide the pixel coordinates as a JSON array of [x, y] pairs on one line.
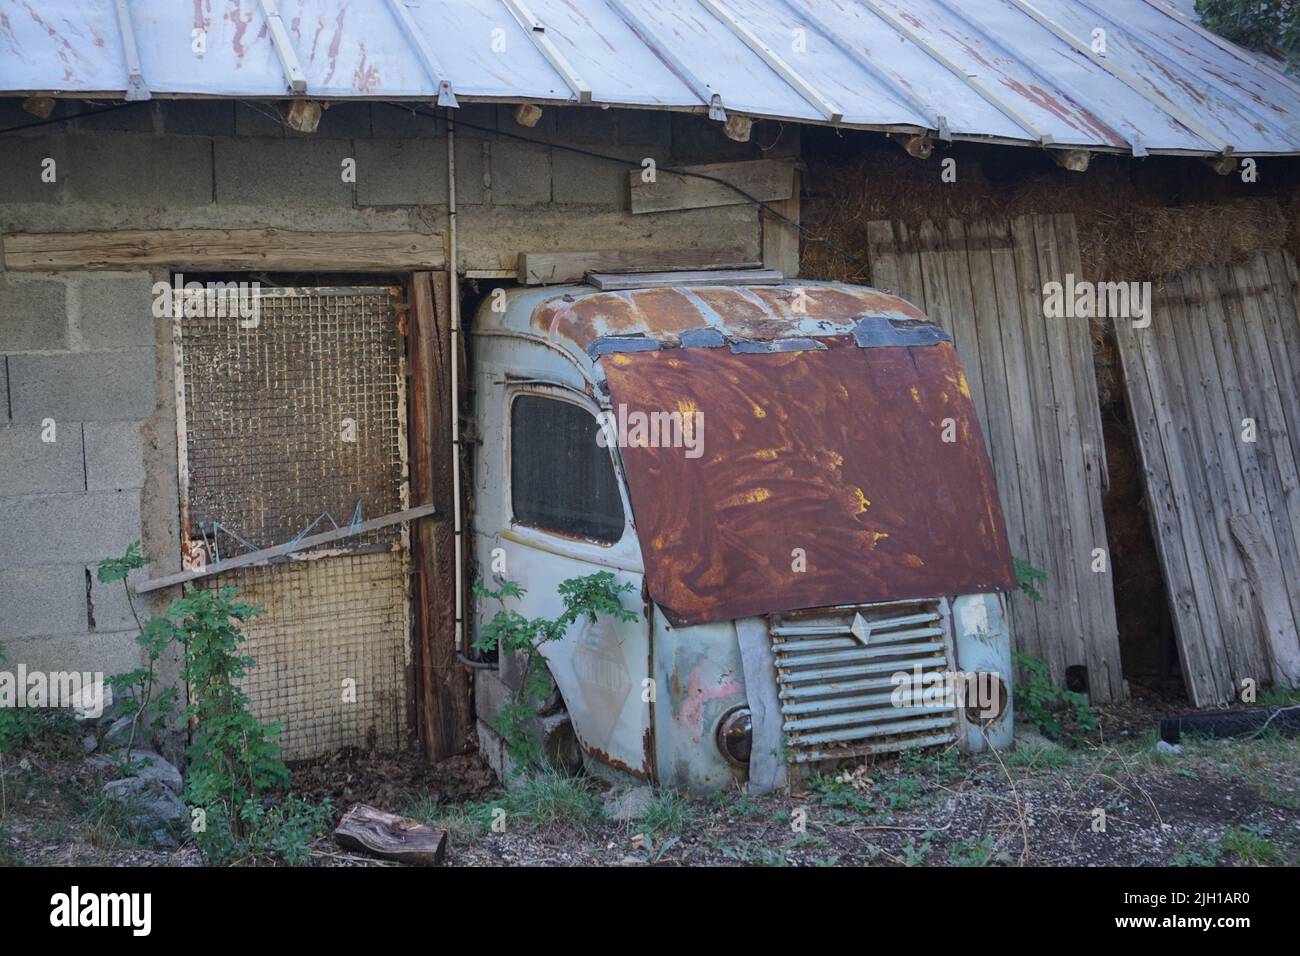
[[892, 513]]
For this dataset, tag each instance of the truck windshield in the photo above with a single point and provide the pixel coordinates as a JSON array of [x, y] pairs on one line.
[[826, 476]]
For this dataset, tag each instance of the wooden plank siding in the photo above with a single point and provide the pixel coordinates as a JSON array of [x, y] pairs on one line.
[[1032, 383], [1223, 347]]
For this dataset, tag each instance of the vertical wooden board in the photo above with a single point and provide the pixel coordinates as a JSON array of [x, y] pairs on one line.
[[935, 281], [1163, 511], [1218, 439], [1273, 445], [957, 274], [1029, 476], [1057, 609], [999, 428], [1283, 327], [781, 239], [882, 255], [1077, 397], [1234, 641]]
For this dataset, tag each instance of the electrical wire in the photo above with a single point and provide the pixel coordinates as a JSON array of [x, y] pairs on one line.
[[75, 116]]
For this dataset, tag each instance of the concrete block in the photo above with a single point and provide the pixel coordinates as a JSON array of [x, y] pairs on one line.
[[47, 600], [401, 121], [4, 389], [586, 180], [29, 466], [33, 312], [82, 386], [521, 174], [586, 125], [58, 529], [199, 117], [131, 170], [116, 311], [284, 172], [259, 119], [698, 139], [114, 456], [106, 604], [21, 158], [413, 172], [108, 654], [644, 127], [136, 118], [341, 121]]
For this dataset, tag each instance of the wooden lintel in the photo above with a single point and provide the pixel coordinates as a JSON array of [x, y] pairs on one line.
[[218, 249], [549, 268]]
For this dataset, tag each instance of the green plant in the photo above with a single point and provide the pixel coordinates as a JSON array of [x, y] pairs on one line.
[[914, 853], [1258, 24], [134, 691], [512, 633], [286, 828], [1028, 577], [970, 852], [543, 798], [667, 813], [1197, 854], [1045, 705], [1250, 843]]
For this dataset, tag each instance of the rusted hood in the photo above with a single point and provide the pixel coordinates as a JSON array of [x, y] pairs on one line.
[[823, 477]]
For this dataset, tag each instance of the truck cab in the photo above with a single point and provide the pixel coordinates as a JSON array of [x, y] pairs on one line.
[[793, 480]]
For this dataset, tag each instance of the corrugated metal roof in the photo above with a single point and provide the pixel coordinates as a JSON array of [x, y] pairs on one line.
[[1027, 71]]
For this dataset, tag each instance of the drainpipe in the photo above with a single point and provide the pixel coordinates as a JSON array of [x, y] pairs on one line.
[[453, 269]]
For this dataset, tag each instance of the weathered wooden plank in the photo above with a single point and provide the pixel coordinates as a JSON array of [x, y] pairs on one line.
[[781, 239], [1060, 605], [1274, 609], [999, 426], [763, 179], [1283, 323], [720, 277], [1035, 629], [549, 268], [1234, 640], [224, 249], [1063, 409], [391, 837], [956, 266]]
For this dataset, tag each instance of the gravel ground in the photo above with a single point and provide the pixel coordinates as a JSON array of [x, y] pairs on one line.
[[1116, 801]]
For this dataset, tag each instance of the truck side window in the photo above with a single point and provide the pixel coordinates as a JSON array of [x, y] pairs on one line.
[[561, 480]]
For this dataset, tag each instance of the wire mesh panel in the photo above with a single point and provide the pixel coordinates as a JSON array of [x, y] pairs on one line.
[[293, 418]]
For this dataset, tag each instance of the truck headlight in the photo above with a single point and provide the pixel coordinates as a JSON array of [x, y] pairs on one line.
[[736, 735]]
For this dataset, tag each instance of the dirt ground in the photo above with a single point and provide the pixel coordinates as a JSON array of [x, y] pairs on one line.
[[1112, 801]]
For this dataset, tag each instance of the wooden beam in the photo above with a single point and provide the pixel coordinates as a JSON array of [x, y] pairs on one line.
[[391, 837], [303, 116], [234, 249], [443, 713], [765, 179], [549, 268], [287, 549], [613, 283]]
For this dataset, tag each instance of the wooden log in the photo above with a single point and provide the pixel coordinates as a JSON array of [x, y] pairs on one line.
[[391, 837], [280, 249], [765, 179], [546, 268]]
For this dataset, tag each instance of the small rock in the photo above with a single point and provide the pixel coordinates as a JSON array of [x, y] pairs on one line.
[[628, 804], [1165, 747], [144, 764], [89, 743], [1030, 739], [151, 807], [119, 733]]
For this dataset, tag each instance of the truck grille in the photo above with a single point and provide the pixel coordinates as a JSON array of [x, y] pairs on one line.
[[836, 690]]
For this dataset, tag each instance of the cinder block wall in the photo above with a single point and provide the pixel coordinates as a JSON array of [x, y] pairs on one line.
[[79, 386], [81, 349]]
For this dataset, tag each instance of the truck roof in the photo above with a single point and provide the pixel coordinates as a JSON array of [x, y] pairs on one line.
[[588, 322]]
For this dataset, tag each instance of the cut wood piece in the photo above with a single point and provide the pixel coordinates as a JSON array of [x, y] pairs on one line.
[[649, 280], [765, 179], [279, 249], [391, 837], [546, 268], [1265, 575]]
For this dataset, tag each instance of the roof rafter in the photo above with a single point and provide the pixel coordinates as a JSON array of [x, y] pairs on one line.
[[420, 44], [136, 89], [713, 100]]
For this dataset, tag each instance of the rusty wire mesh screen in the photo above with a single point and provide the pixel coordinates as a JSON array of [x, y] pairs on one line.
[[287, 416], [330, 650], [295, 414]]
